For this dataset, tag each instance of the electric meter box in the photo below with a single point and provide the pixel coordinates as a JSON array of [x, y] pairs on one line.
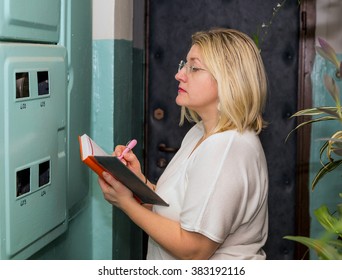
[[33, 166], [34, 20]]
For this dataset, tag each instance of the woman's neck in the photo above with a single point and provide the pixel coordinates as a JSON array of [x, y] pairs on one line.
[[209, 126]]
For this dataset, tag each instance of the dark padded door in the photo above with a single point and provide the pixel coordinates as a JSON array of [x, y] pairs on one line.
[[170, 24]]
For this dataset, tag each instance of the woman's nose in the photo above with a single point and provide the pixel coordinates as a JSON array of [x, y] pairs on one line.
[[181, 75]]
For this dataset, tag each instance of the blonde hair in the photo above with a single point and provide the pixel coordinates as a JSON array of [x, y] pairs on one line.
[[235, 63]]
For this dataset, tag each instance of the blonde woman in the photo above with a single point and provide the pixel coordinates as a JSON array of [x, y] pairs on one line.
[[217, 183]]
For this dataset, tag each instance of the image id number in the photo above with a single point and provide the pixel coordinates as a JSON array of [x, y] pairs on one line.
[[229, 271]]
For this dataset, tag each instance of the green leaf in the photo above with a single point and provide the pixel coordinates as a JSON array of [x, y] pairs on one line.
[[313, 111], [324, 118], [336, 146], [335, 243], [330, 223], [321, 151], [337, 151], [339, 207], [332, 88], [336, 143], [330, 112], [328, 167], [322, 248], [327, 52], [333, 144], [256, 40]]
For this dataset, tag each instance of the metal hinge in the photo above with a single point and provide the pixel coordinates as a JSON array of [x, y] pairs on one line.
[[304, 21]]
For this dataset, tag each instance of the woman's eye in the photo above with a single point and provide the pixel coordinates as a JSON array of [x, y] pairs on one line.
[[194, 69]]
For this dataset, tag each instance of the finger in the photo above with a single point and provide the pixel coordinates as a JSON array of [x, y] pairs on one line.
[[130, 156], [101, 182], [118, 150], [109, 179], [105, 187], [132, 161], [107, 190]]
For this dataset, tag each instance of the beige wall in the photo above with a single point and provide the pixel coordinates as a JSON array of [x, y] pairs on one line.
[[329, 22], [123, 23]]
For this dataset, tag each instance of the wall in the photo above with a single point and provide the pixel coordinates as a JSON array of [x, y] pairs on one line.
[[99, 232], [128, 109], [95, 220], [115, 77], [328, 27], [102, 118], [328, 22]]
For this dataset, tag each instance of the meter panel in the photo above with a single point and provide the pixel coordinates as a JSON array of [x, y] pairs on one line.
[[34, 20], [33, 139]]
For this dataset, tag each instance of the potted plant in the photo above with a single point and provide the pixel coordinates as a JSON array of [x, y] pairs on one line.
[[329, 246]]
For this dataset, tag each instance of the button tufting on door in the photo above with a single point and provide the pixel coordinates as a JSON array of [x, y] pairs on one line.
[[162, 163], [163, 148], [158, 114]]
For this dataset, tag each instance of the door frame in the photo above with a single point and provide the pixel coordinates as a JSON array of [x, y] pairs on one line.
[[306, 59]]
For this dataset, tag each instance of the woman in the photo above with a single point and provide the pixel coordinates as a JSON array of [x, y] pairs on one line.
[[217, 183]]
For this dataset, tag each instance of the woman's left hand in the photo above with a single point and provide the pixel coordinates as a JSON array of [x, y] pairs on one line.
[[114, 191]]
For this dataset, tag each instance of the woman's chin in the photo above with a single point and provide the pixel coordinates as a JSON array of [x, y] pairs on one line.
[[180, 99]]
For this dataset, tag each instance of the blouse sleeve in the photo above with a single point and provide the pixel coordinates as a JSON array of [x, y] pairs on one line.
[[223, 186]]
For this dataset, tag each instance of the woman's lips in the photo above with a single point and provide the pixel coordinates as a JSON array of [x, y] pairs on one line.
[[180, 90]]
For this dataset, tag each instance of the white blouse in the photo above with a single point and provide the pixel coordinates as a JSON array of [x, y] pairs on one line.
[[218, 190]]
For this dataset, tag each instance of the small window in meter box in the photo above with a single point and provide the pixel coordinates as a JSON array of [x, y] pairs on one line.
[[23, 181], [44, 173], [43, 82], [22, 85]]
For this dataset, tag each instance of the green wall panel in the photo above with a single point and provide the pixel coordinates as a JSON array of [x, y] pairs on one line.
[[128, 124]]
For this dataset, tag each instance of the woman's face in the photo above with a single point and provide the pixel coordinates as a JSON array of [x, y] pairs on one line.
[[197, 88]]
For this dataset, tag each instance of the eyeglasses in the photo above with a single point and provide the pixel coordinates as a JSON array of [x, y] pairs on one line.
[[189, 68]]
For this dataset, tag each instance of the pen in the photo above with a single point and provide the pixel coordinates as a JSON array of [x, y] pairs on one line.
[[129, 146]]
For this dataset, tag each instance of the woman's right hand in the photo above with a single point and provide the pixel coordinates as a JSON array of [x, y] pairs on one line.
[[130, 160]]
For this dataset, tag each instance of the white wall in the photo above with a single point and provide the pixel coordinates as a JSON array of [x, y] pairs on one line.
[[113, 19], [103, 19]]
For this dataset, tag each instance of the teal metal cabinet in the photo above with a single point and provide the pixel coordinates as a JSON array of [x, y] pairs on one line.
[[33, 20], [45, 96], [33, 147]]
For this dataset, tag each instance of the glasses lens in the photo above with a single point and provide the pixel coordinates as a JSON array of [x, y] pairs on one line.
[[181, 65]]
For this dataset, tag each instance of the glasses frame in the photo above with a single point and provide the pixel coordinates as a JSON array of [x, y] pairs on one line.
[[189, 68]]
